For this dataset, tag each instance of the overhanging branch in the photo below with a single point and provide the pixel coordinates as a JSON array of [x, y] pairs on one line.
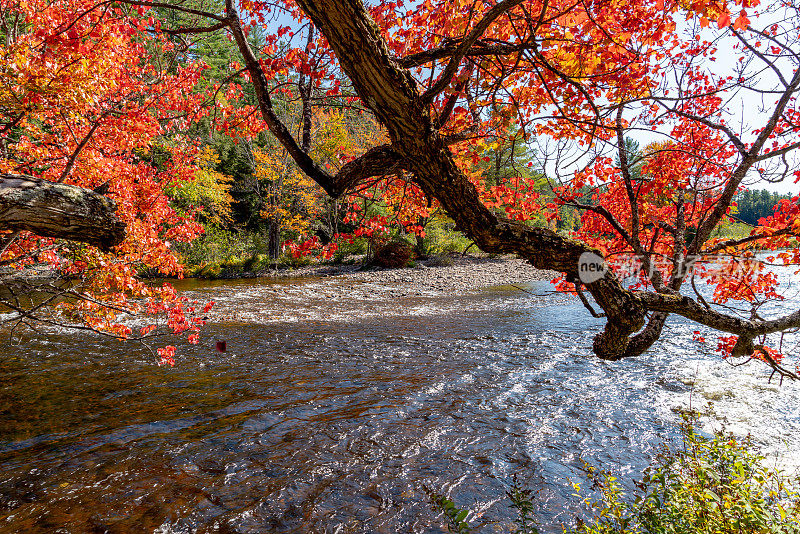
[[378, 161], [62, 211]]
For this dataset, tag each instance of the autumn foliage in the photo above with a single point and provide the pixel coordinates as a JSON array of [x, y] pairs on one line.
[[625, 110], [86, 102]]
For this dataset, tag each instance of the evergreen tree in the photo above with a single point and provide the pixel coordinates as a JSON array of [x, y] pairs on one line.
[[753, 205]]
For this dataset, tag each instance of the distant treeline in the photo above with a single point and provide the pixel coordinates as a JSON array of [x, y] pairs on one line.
[[754, 205]]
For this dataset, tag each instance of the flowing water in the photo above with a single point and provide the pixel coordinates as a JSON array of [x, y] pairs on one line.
[[334, 413]]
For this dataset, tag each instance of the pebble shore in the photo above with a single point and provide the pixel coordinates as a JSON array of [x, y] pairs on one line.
[[464, 273], [353, 292]]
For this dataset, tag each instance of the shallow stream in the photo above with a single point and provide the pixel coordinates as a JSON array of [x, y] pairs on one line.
[[332, 414]]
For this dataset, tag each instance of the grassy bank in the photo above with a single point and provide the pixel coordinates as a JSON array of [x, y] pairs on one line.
[[221, 253]]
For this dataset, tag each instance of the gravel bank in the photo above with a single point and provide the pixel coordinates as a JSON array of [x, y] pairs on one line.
[[463, 274], [348, 292]]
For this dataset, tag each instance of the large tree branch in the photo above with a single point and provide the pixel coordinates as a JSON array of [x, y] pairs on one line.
[[379, 161], [695, 311], [648, 335], [749, 239], [391, 92], [49, 209], [196, 29]]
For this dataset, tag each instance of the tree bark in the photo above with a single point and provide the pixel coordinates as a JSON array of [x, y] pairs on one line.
[[62, 211], [274, 240]]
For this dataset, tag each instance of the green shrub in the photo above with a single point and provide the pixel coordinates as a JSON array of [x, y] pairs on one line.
[[218, 246], [453, 242], [456, 517], [522, 503], [345, 249], [707, 486], [232, 268], [256, 263], [212, 270], [441, 238], [291, 261]]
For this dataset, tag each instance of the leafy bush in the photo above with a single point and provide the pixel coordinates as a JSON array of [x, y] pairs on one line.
[[356, 247], [456, 517], [393, 254], [212, 270], [522, 503], [708, 486], [453, 243], [295, 262], [255, 263], [217, 246], [441, 238]]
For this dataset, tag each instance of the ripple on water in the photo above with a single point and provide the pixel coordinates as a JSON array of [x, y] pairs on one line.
[[741, 400], [334, 413]]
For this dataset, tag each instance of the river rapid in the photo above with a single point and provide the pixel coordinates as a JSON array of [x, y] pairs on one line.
[[340, 405]]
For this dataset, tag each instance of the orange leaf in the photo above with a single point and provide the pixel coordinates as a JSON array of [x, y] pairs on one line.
[[741, 21], [723, 20]]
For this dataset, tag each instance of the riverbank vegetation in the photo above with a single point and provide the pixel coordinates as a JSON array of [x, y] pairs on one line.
[[226, 250], [700, 485]]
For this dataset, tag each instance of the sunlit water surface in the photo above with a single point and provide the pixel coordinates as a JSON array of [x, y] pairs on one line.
[[334, 413]]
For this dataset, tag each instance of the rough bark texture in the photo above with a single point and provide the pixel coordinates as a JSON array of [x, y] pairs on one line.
[[56, 210]]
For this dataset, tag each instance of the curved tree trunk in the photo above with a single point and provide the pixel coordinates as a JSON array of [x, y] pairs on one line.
[[49, 209], [391, 92], [418, 147]]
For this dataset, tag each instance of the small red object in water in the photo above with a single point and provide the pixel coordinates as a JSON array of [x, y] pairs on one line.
[[221, 346]]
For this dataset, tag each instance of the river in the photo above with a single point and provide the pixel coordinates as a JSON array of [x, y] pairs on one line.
[[331, 414]]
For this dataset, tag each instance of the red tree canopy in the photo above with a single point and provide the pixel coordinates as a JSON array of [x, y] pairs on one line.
[[449, 82]]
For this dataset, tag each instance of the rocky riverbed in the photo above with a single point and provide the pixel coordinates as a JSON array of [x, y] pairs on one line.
[[448, 273], [345, 292]]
